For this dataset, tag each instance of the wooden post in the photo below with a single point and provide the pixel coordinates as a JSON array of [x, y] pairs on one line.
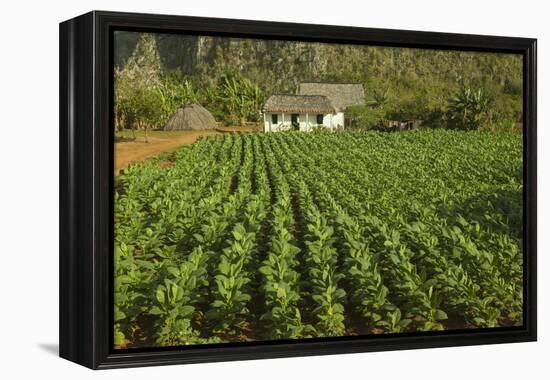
[[264, 122], [283, 119], [307, 120]]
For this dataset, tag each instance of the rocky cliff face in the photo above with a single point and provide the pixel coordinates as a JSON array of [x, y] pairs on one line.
[[279, 66]]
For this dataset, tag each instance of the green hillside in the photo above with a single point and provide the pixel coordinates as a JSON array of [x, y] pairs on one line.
[[400, 83]]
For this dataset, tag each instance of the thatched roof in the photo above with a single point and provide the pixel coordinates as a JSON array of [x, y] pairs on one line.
[[191, 117], [342, 95], [299, 103]]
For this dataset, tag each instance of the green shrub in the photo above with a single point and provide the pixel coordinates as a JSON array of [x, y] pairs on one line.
[[365, 117], [468, 109]]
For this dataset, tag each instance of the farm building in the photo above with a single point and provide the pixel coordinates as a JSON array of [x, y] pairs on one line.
[[342, 95], [403, 125], [316, 105], [298, 112]]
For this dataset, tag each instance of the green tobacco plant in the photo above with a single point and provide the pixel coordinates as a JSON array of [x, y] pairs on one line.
[[281, 236], [172, 308], [281, 287], [176, 299], [229, 307], [326, 294], [132, 279], [369, 295], [394, 323]]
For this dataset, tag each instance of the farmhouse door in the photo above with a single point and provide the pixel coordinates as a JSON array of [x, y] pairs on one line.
[[295, 121]]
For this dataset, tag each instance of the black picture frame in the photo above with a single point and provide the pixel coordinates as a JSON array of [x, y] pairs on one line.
[[86, 188]]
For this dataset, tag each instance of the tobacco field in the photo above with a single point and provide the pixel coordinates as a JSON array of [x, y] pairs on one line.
[[249, 236]]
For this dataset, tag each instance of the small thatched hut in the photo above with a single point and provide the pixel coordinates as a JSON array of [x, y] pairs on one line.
[[191, 117]]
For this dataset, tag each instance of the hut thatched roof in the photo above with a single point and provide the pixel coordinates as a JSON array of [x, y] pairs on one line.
[[191, 117], [299, 103], [342, 95]]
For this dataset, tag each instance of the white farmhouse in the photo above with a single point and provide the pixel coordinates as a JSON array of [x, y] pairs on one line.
[[298, 112], [316, 105]]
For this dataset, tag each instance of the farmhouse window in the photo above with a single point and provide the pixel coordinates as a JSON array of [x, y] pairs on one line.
[[274, 119], [320, 119]]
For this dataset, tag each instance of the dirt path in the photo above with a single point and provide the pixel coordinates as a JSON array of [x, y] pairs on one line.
[[135, 151]]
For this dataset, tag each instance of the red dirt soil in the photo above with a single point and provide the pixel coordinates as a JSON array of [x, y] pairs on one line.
[[129, 152]]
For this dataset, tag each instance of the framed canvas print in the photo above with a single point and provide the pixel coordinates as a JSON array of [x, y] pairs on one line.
[[236, 189]]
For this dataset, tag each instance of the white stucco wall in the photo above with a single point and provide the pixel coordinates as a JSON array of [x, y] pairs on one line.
[[280, 125], [306, 122], [338, 120]]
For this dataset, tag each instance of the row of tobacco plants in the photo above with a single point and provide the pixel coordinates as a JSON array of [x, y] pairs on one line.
[[278, 236]]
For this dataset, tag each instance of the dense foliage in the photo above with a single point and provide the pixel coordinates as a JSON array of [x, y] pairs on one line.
[[146, 96], [232, 77], [269, 236]]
